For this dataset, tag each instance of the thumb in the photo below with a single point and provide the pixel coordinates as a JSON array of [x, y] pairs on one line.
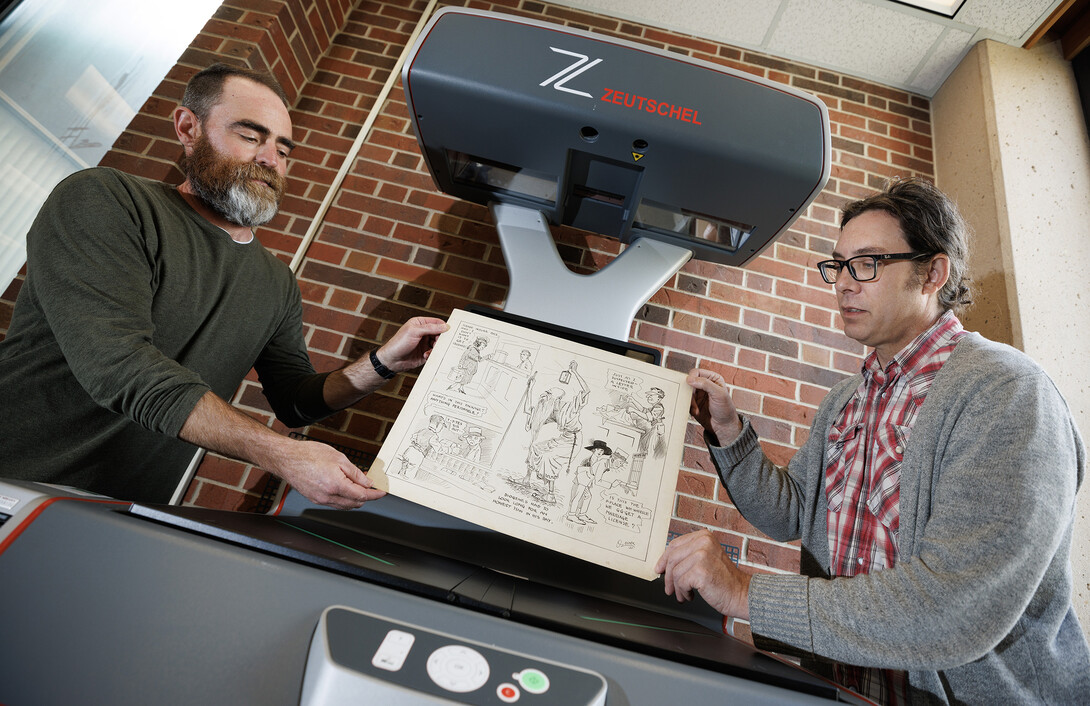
[[354, 474]]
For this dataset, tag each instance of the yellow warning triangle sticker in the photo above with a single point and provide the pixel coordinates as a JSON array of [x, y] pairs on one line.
[[636, 156]]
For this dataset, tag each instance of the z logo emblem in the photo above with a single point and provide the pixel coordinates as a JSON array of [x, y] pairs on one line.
[[571, 72]]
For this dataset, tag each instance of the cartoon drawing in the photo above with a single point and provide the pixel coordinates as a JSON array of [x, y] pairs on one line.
[[586, 475], [545, 459], [471, 440], [611, 478], [471, 449], [425, 443], [649, 420], [549, 440], [524, 360], [468, 364]]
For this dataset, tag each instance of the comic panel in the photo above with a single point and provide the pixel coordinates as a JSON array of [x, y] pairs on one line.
[[545, 439]]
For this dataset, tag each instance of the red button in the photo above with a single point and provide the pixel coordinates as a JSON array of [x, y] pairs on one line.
[[508, 693]]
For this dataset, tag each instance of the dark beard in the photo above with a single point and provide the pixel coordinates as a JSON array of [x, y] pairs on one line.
[[226, 185]]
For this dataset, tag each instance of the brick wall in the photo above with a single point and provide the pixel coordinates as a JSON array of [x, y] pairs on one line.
[[391, 247]]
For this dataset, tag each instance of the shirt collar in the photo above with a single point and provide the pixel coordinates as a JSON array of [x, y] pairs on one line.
[[916, 354]]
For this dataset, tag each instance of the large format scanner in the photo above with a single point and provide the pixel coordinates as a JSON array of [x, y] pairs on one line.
[[548, 125], [611, 136]]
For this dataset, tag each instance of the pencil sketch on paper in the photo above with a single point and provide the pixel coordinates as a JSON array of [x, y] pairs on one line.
[[548, 440]]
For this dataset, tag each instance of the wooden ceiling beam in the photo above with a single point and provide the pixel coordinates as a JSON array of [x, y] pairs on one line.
[[1077, 36], [1048, 24]]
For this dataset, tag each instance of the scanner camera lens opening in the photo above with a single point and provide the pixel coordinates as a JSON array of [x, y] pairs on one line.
[[588, 133]]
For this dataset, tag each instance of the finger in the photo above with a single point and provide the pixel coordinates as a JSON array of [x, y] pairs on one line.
[[660, 565], [353, 496], [340, 486], [354, 474], [667, 564], [676, 582], [360, 497], [683, 542], [690, 574], [421, 327], [703, 374], [668, 578], [707, 385], [358, 490], [412, 343]]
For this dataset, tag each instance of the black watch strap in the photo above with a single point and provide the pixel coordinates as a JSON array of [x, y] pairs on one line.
[[381, 369]]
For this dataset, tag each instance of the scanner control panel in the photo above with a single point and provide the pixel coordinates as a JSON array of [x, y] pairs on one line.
[[357, 657]]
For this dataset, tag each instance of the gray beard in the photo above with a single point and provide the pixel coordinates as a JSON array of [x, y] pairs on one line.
[[239, 204]]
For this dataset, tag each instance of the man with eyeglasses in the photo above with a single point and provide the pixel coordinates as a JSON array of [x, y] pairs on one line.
[[934, 497]]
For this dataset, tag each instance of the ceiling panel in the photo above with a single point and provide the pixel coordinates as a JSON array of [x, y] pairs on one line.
[[879, 40]]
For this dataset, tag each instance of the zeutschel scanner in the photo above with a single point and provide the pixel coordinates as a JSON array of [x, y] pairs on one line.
[[552, 126], [549, 125]]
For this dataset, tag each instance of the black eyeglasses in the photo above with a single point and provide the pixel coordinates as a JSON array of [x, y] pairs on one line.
[[862, 268]]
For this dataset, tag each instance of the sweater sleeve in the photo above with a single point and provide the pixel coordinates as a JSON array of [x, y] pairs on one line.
[[770, 497], [91, 273], [782, 502], [1003, 462]]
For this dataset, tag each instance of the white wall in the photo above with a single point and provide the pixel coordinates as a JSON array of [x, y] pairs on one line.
[[1011, 146]]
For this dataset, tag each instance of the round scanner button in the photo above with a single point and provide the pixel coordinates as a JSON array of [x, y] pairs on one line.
[[534, 681], [508, 693], [458, 668]]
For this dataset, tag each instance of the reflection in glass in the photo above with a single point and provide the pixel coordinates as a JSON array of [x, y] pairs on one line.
[[669, 219], [503, 178], [73, 74]]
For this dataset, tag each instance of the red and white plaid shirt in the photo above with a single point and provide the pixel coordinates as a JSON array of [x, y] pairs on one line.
[[864, 449]]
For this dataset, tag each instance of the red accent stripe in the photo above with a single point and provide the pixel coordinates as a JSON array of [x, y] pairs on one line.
[[38, 510]]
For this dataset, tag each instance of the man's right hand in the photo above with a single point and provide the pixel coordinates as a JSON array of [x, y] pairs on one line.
[[696, 562], [712, 405], [323, 475], [320, 472]]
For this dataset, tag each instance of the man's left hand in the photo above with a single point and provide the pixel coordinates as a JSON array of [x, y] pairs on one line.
[[410, 347]]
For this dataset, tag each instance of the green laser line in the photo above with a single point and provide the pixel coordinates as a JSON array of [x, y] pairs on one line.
[[637, 625], [342, 546]]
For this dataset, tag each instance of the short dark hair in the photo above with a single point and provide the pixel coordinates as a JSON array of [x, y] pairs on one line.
[[205, 88], [931, 223]]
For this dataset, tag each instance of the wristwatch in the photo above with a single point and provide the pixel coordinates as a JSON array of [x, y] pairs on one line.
[[381, 369]]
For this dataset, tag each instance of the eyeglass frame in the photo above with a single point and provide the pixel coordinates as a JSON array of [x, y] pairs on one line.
[[846, 264]]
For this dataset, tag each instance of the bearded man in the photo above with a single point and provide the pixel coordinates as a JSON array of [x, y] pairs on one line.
[[145, 305]]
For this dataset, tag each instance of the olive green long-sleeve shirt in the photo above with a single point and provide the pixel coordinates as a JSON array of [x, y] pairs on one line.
[[134, 307]]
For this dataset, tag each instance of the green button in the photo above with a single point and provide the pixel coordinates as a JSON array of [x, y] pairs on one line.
[[534, 681]]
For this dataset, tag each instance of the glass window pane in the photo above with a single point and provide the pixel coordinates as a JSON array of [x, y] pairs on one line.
[[72, 76]]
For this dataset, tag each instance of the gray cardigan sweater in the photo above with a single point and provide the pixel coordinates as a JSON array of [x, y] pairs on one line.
[[978, 607]]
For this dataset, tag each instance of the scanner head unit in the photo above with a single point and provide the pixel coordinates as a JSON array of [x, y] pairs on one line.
[[613, 137]]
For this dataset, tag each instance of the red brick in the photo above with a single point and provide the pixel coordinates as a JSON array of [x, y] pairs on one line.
[[699, 306], [323, 340], [343, 299], [756, 300], [774, 556], [425, 277]]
